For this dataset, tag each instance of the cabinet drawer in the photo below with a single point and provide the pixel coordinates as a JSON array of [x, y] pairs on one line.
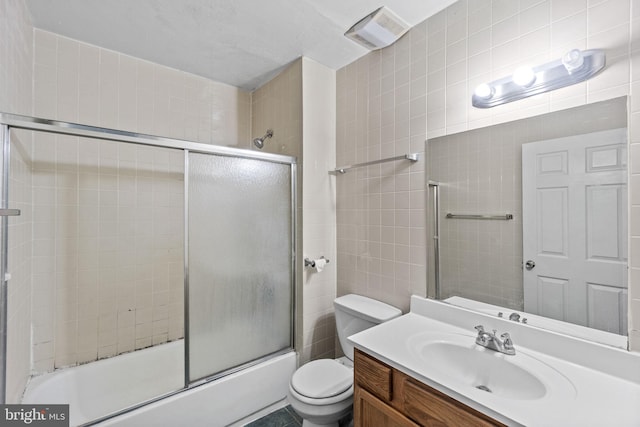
[[373, 375], [429, 407]]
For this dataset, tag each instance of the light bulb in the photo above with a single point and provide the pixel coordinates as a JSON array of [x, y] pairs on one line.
[[524, 76], [484, 91], [573, 60]]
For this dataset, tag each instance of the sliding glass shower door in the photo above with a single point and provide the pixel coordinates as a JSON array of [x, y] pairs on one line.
[[240, 261]]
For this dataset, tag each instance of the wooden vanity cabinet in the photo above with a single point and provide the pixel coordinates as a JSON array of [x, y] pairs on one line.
[[384, 396]]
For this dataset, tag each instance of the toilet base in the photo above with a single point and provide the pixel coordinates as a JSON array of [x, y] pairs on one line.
[[345, 421], [307, 423]]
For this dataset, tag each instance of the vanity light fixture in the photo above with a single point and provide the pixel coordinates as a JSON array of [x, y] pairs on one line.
[[574, 67]]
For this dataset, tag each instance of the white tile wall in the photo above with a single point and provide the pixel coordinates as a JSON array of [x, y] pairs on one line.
[[16, 41], [108, 232], [470, 42], [78, 82], [108, 216]]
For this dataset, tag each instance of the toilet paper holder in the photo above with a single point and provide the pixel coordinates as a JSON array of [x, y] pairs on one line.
[[312, 263]]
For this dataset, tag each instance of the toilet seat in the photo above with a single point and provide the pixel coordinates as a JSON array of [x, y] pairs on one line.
[[322, 379]]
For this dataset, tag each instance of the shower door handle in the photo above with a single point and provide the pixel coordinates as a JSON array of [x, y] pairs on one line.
[[10, 212]]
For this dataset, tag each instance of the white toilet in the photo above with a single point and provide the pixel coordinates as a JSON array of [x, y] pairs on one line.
[[321, 391]]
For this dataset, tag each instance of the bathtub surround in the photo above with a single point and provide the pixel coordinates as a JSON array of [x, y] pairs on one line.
[[108, 215], [16, 77], [158, 370], [108, 249], [421, 87], [83, 83]]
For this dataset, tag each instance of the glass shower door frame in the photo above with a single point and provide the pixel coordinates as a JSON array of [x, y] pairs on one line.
[[14, 121], [187, 371]]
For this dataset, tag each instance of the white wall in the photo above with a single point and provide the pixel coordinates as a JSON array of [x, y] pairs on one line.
[[318, 208]]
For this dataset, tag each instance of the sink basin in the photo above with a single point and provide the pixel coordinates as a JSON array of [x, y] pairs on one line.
[[455, 359]]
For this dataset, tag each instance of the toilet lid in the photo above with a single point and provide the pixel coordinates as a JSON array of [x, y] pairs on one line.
[[322, 378]]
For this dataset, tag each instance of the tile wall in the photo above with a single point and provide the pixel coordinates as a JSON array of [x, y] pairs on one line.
[[277, 105], [107, 224], [470, 42], [16, 46], [108, 249], [381, 219], [78, 82]]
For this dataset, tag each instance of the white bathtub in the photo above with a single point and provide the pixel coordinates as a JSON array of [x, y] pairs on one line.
[[97, 389]]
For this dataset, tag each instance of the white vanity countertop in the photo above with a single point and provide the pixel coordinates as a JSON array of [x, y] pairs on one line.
[[590, 384]]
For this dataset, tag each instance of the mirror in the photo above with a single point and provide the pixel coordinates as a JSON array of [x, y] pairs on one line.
[[555, 250]]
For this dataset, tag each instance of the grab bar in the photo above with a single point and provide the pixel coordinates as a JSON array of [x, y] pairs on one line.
[[436, 235], [505, 217], [412, 156]]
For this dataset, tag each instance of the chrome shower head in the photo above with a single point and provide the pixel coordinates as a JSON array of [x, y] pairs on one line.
[[259, 142]]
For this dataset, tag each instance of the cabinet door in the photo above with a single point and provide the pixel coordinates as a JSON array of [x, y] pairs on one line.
[[369, 411], [432, 408]]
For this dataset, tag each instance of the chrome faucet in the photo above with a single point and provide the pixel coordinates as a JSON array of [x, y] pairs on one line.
[[492, 342]]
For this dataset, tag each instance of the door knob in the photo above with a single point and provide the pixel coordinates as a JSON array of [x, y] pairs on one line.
[[529, 265]]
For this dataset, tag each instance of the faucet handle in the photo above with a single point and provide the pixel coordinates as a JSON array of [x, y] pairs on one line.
[[480, 329], [506, 338]]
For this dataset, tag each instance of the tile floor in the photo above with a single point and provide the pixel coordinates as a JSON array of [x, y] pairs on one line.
[[287, 417], [284, 417]]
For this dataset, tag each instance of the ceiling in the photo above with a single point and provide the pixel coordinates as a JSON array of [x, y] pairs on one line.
[[243, 43]]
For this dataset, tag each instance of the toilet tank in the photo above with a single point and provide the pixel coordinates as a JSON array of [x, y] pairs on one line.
[[355, 313]]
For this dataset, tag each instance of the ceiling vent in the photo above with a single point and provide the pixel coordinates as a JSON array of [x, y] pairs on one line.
[[379, 29]]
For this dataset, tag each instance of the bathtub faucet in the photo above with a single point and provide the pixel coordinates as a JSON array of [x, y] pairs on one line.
[[492, 342]]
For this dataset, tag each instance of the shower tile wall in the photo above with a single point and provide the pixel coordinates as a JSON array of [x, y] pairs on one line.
[[107, 267], [78, 82], [277, 105], [20, 292], [108, 249], [470, 42], [16, 46]]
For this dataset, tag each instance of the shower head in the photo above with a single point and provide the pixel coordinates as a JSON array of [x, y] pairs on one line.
[[259, 142]]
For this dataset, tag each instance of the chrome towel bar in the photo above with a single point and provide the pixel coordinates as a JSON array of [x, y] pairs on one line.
[[414, 157], [504, 217]]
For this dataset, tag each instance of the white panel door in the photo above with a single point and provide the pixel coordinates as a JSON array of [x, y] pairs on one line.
[[575, 229]]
